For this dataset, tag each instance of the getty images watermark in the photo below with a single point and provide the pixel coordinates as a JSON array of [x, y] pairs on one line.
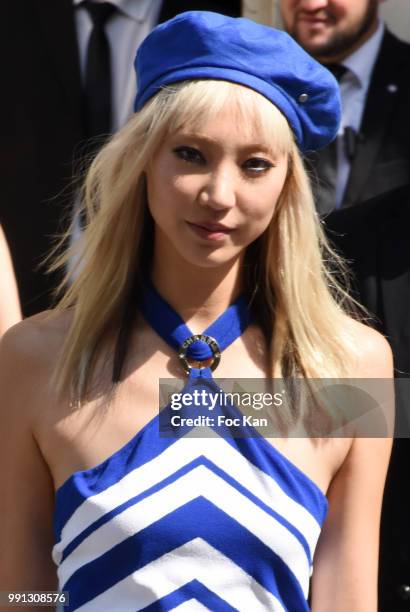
[[218, 401], [284, 407]]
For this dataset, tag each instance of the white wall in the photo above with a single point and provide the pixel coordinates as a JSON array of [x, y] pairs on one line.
[[264, 11], [396, 13]]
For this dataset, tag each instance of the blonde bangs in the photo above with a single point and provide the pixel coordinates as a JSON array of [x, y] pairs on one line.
[[193, 104]]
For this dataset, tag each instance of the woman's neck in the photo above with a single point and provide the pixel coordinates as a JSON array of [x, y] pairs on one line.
[[199, 295]]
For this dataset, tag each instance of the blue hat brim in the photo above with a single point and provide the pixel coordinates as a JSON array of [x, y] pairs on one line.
[[272, 92]]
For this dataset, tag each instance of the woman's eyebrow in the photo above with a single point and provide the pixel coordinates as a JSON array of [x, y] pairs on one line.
[[259, 146]]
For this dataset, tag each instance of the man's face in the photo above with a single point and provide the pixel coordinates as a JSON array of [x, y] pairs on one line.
[[330, 30]]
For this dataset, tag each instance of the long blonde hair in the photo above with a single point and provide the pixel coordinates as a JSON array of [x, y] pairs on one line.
[[295, 295]]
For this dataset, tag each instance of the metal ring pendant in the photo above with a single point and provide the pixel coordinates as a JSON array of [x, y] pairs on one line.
[[211, 342]]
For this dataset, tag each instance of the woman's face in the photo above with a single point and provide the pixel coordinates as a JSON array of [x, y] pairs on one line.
[[212, 191]]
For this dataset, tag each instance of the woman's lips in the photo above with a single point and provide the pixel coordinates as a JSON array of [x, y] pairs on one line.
[[210, 231]]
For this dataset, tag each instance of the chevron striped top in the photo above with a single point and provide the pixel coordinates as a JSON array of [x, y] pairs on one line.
[[189, 524]]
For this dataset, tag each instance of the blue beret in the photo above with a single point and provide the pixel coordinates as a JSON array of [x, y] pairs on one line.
[[204, 45]]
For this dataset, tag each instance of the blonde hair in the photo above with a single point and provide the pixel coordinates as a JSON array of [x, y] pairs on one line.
[[295, 296]]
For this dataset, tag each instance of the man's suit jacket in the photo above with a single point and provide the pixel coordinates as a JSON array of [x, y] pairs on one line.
[[374, 237], [42, 130], [382, 160]]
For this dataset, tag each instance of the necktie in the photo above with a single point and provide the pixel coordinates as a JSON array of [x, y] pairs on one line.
[[338, 70], [97, 87], [325, 164]]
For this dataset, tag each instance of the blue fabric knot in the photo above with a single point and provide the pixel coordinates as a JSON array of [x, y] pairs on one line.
[[200, 373], [199, 350]]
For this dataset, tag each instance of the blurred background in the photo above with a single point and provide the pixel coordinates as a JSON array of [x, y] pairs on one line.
[[396, 14]]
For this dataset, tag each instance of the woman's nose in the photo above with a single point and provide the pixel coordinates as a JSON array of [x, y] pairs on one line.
[[219, 191]]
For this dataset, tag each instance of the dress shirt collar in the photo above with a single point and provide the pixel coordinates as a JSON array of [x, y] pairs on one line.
[[361, 62], [135, 10]]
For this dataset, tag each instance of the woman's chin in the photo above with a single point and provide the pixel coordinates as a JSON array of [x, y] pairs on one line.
[[212, 259]]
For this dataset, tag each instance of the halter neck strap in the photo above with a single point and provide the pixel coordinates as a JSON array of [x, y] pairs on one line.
[[171, 328]]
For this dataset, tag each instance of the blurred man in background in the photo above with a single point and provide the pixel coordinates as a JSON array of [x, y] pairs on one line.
[[371, 155]]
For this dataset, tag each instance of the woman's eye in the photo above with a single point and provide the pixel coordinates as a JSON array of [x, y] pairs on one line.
[[189, 154], [257, 165]]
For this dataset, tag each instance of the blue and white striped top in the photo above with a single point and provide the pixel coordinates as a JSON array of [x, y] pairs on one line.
[[188, 524], [176, 522]]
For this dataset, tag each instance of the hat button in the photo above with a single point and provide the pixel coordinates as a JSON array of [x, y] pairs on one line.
[[303, 98]]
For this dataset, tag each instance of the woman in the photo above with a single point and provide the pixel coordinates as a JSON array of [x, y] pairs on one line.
[[200, 212], [10, 312]]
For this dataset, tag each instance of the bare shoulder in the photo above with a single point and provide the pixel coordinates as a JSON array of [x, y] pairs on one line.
[[344, 579], [28, 355], [374, 358], [37, 340]]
